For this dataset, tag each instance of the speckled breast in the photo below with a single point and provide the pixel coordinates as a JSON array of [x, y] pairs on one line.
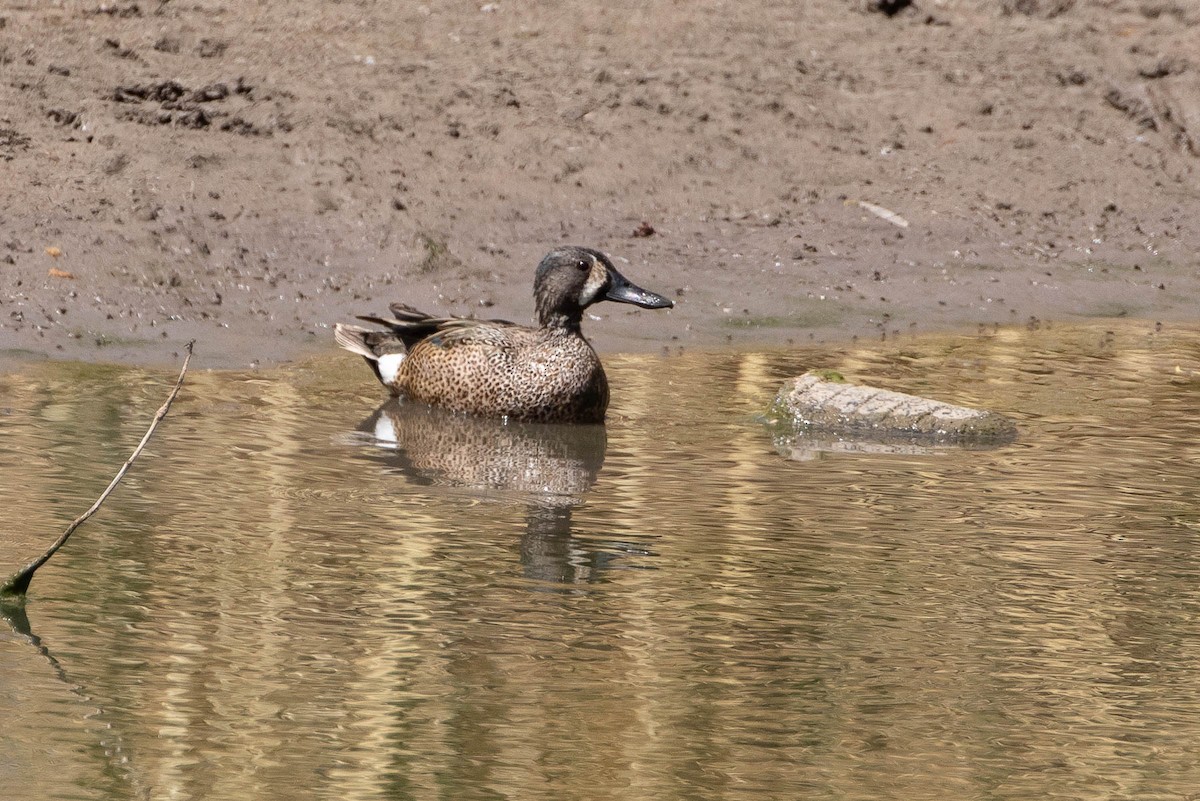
[[560, 380]]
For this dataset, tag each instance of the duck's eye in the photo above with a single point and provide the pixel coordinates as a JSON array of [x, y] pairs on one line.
[[583, 264]]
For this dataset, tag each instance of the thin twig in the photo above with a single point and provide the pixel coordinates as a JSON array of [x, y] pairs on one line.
[[13, 590]]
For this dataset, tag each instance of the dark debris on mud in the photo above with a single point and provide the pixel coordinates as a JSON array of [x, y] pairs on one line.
[[12, 142], [182, 107]]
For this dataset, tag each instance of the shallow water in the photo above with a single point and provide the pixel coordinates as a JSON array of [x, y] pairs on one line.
[[278, 605]]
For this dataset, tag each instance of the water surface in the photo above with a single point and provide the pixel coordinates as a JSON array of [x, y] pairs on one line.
[[297, 594]]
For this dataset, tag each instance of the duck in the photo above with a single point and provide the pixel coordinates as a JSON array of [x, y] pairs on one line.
[[548, 373]]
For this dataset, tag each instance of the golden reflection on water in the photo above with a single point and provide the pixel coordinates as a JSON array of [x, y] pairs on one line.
[[298, 595]]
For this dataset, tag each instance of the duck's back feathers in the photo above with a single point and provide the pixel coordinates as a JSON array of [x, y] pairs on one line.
[[412, 326]]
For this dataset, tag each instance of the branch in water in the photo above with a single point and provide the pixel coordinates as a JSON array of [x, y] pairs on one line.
[[13, 591]]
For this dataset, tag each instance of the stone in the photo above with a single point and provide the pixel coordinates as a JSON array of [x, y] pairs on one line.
[[825, 402]]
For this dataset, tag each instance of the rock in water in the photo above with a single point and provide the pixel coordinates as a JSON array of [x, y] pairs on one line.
[[826, 402]]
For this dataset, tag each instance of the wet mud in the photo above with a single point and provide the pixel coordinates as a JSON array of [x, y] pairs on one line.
[[249, 174]]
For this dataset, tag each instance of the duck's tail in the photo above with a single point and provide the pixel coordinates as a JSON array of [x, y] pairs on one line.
[[382, 350]]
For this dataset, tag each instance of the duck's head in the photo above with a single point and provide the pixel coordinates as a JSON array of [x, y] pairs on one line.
[[570, 279]]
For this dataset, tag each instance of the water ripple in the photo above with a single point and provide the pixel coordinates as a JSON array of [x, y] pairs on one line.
[[299, 595]]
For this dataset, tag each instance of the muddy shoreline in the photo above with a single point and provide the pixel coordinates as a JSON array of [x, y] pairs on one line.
[[248, 175]]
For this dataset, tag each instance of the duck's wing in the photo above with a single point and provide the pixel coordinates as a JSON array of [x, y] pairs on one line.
[[456, 332], [404, 313], [412, 326]]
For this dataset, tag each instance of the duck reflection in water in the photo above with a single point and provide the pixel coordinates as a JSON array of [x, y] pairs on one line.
[[550, 467]]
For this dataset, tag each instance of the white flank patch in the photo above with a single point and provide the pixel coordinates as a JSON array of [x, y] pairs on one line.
[[389, 366]]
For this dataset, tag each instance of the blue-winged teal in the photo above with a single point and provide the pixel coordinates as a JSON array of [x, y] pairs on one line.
[[493, 367]]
